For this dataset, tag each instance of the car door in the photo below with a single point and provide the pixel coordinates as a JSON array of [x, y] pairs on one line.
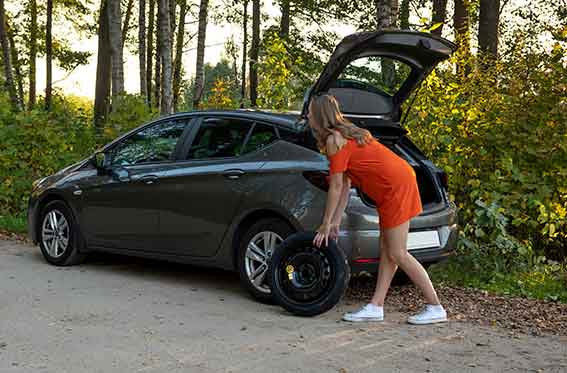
[[120, 206], [203, 191]]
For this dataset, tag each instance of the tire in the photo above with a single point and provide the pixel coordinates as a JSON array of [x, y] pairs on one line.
[[279, 230], [307, 281], [62, 250]]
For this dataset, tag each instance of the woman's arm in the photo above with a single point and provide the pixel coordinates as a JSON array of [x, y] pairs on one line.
[[333, 198], [343, 201]]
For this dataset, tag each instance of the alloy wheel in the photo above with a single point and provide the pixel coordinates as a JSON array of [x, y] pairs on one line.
[[55, 233], [257, 258]]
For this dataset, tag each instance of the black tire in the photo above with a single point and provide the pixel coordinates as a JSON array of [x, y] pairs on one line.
[[307, 281], [70, 255], [281, 229]]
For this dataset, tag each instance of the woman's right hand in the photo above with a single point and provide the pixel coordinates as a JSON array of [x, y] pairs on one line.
[[334, 232]]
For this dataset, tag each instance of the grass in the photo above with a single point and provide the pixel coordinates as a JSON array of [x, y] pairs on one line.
[[13, 223], [545, 281]]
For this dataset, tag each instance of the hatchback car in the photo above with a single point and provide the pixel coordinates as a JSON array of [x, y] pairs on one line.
[[224, 188]]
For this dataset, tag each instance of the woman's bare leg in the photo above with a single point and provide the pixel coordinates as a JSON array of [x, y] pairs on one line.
[[386, 272], [396, 243]]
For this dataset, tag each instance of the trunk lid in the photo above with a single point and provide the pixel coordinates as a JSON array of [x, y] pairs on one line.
[[373, 73]]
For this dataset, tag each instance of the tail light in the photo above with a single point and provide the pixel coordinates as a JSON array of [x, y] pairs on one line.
[[444, 180], [318, 178]]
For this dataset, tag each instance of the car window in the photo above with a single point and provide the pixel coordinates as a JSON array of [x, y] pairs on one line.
[[375, 74], [261, 136], [220, 138], [152, 144]]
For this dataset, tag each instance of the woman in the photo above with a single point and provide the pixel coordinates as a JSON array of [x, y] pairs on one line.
[[355, 156]]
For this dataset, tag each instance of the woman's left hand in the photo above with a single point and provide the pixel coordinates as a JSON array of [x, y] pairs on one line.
[[323, 234]]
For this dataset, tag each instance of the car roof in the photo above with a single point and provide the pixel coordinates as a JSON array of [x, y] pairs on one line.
[[288, 119]]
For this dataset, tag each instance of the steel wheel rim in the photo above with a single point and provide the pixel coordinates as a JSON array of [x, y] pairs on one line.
[[257, 259], [55, 233]]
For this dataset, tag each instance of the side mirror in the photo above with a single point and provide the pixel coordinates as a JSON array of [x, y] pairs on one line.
[[99, 160]]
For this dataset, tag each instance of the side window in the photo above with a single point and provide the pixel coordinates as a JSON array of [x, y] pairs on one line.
[[261, 136], [153, 144], [220, 138]]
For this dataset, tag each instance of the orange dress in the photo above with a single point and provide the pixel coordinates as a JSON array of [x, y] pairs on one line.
[[385, 177]]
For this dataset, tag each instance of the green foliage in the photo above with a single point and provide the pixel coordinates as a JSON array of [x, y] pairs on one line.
[[278, 72], [501, 135]]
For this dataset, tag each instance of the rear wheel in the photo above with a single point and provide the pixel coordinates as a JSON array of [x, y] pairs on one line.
[[256, 249], [305, 280], [58, 235]]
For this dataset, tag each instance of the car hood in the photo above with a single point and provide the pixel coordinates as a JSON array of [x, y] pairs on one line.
[[421, 51]]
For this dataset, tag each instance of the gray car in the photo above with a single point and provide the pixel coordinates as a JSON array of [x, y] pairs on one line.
[[224, 188]]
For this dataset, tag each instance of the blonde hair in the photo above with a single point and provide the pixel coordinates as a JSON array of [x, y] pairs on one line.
[[326, 113]]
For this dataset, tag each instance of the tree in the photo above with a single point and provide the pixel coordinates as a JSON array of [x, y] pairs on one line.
[[439, 14], [488, 30], [199, 72], [115, 33], [461, 24], [405, 14], [244, 50], [284, 22], [33, 52], [103, 70], [150, 52], [49, 55], [165, 30], [142, 47], [7, 58], [127, 17], [157, 63], [16, 64], [254, 51], [386, 14], [177, 64]]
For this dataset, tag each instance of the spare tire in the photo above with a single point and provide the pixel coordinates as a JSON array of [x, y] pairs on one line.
[[306, 280]]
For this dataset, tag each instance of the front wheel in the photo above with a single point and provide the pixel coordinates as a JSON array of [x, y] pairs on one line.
[[306, 280], [58, 235]]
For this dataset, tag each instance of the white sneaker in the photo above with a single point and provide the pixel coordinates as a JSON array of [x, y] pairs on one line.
[[431, 314], [370, 312]]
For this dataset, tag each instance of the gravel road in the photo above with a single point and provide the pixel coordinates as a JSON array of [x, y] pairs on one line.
[[119, 314]]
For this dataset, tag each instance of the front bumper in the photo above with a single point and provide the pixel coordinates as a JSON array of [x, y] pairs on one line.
[[362, 247]]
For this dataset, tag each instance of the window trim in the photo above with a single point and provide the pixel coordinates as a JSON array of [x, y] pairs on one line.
[[174, 154]]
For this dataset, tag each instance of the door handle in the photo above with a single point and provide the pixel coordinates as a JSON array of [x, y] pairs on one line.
[[233, 174], [149, 179]]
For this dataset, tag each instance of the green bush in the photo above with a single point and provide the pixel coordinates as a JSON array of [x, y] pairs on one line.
[[501, 135]]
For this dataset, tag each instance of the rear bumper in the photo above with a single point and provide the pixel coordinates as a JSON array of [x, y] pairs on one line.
[[367, 260]]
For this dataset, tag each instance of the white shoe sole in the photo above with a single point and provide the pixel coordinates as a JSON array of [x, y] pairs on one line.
[[363, 319], [429, 321]]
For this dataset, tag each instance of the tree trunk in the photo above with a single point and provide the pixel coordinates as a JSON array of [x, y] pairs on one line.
[[142, 47], [172, 14], [115, 32], [404, 14], [254, 51], [179, 54], [439, 15], [165, 28], [33, 53], [461, 24], [284, 24], [103, 69], [386, 14], [157, 63], [150, 53], [127, 17], [16, 64], [244, 50], [489, 19], [48, 55], [7, 59], [199, 70]]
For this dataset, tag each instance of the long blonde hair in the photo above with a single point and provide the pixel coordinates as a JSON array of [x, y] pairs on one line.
[[325, 111]]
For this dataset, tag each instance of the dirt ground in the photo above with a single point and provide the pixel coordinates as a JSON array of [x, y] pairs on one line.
[[118, 314]]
